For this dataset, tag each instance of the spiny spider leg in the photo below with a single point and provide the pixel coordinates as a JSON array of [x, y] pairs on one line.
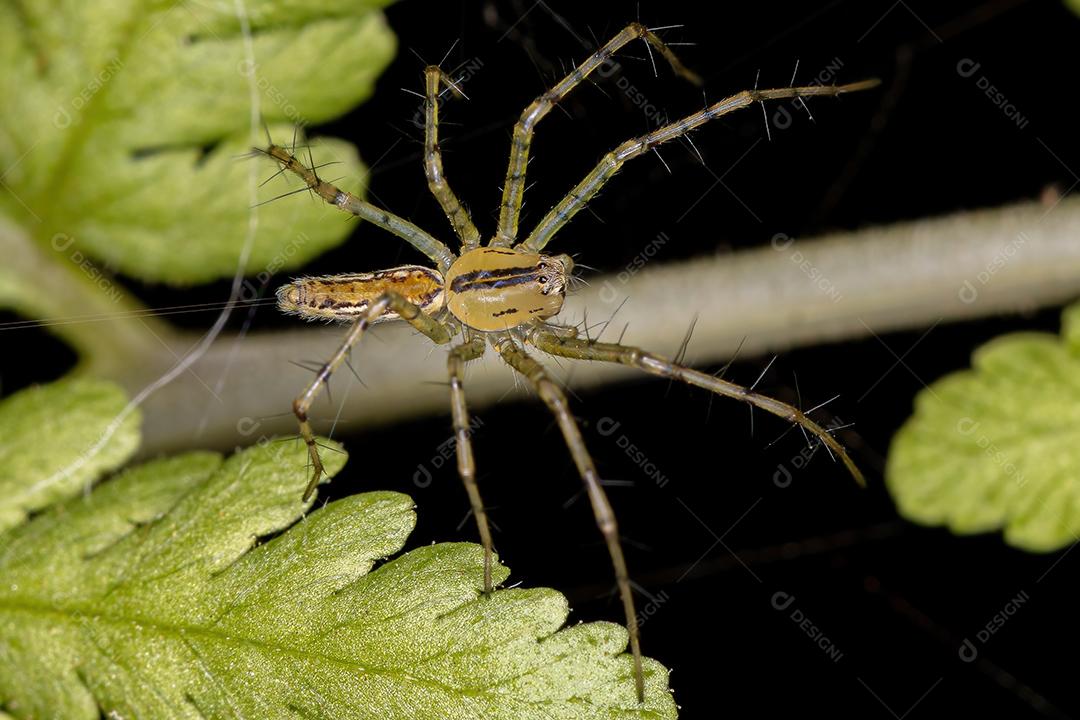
[[390, 302], [514, 187], [571, 347], [555, 399], [492, 283], [466, 464], [610, 164], [422, 241], [456, 213]]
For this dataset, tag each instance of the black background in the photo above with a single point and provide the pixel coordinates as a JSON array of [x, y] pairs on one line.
[[895, 599]]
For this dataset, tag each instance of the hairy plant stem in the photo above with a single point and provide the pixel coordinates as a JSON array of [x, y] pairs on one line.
[[877, 280], [789, 294]]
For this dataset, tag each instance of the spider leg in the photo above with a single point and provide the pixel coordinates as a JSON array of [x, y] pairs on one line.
[[466, 464], [388, 302], [610, 164], [555, 399], [626, 355], [422, 241], [456, 213], [514, 187]]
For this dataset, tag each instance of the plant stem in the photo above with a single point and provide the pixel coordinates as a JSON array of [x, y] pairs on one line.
[[38, 280], [878, 280]]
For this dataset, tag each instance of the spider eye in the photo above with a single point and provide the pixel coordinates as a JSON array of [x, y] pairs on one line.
[[542, 279]]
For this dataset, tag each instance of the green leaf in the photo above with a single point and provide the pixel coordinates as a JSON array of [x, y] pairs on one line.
[[998, 446], [152, 598], [123, 120], [57, 439]]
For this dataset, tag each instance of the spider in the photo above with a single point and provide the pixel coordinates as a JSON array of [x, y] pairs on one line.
[[506, 292]]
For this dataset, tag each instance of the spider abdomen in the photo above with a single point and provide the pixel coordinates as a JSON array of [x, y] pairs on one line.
[[493, 288], [347, 296]]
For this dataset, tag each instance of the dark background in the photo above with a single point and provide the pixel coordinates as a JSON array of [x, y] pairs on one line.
[[894, 599]]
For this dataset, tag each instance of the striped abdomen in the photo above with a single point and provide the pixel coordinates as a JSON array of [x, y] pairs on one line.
[[343, 297]]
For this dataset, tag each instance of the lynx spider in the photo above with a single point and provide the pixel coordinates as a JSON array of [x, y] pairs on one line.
[[505, 292]]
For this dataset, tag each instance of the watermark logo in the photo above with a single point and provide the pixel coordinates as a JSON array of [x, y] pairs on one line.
[[607, 427], [445, 450], [784, 601], [609, 293], [969, 427], [969, 650], [783, 476], [64, 119], [62, 242], [782, 242], [250, 290], [467, 71], [968, 68], [651, 608], [969, 291], [782, 117]]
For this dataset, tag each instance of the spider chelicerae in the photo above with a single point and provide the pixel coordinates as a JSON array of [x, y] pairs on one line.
[[505, 293]]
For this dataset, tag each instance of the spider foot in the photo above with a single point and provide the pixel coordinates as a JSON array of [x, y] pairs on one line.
[[488, 585], [316, 472]]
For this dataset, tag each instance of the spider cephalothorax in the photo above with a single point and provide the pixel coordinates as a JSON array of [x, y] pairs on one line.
[[495, 289], [506, 293]]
